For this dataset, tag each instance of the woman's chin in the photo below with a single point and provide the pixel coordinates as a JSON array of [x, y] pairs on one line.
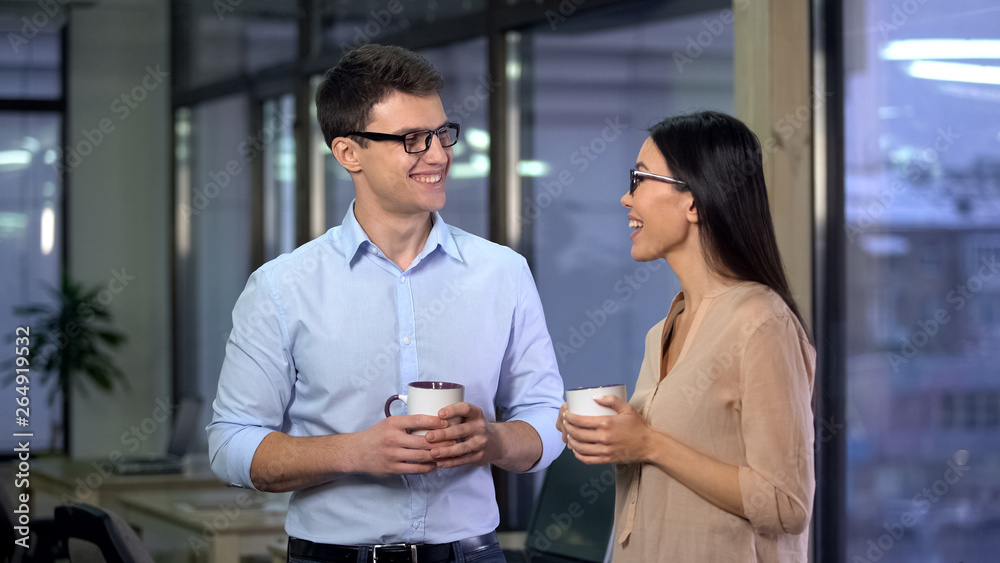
[[639, 256]]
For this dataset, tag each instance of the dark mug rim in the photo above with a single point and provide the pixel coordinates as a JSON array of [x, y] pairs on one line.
[[596, 387], [436, 385]]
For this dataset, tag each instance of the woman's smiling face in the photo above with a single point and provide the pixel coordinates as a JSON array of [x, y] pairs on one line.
[[661, 215]]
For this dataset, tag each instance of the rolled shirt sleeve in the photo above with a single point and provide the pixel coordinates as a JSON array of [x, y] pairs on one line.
[[777, 484], [255, 383], [530, 387]]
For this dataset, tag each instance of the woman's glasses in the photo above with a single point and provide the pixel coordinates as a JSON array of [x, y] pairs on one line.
[[636, 176]]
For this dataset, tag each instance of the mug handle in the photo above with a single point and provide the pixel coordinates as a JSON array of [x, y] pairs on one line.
[[389, 403]]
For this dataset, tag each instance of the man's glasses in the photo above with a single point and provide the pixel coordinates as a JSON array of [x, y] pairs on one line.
[[416, 142], [636, 176]]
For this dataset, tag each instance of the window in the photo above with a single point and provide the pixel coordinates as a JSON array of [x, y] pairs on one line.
[[31, 194], [347, 25], [227, 38], [465, 98], [588, 98], [213, 159], [920, 138], [279, 176]]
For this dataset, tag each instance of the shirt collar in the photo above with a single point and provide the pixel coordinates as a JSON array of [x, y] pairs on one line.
[[356, 240]]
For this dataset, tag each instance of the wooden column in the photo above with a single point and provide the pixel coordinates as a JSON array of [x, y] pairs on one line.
[[774, 97]]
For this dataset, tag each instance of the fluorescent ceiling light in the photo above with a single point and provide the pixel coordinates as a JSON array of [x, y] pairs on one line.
[[478, 138], [955, 72], [15, 159], [535, 168], [464, 170], [48, 230], [914, 49]]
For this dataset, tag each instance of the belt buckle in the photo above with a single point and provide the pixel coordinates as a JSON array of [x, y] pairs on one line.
[[412, 546]]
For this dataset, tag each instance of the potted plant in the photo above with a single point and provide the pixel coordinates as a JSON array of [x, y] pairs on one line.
[[71, 340]]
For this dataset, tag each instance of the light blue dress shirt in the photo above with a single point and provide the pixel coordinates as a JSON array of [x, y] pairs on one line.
[[324, 335]]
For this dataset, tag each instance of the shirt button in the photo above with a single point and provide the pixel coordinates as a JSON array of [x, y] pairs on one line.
[[416, 524], [402, 279], [406, 340]]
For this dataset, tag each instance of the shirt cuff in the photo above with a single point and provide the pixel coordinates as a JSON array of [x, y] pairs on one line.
[[543, 420], [234, 467], [768, 509]]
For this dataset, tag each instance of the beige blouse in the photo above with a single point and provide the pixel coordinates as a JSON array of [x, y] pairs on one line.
[[740, 392]]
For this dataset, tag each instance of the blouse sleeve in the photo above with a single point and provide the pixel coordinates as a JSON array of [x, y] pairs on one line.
[[777, 484]]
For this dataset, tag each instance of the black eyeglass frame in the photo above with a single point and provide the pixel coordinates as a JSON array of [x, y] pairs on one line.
[[634, 176], [402, 138]]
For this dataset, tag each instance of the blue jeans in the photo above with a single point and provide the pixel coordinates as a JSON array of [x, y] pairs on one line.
[[488, 554]]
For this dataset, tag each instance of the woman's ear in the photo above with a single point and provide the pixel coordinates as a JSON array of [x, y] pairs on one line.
[[692, 210], [346, 152]]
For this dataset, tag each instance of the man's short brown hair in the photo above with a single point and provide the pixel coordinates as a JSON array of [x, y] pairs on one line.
[[365, 77]]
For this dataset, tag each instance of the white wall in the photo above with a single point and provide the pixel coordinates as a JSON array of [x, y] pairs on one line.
[[118, 208]]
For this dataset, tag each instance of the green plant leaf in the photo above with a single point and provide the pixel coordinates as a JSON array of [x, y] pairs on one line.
[[72, 339]]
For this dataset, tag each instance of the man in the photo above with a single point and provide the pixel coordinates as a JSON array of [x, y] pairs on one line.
[[323, 336]]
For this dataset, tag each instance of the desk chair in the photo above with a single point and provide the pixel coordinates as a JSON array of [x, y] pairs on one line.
[[110, 538], [573, 517]]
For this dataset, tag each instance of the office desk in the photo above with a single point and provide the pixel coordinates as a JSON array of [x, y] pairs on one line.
[[209, 526], [56, 481]]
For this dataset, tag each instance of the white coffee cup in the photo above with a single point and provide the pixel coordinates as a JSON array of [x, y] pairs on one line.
[[581, 399], [429, 397]]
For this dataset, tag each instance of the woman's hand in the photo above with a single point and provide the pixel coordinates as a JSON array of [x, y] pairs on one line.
[[559, 422], [622, 438]]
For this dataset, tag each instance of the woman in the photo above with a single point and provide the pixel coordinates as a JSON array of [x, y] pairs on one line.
[[715, 448]]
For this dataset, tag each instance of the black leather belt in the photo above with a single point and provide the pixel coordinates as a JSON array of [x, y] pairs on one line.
[[390, 553]]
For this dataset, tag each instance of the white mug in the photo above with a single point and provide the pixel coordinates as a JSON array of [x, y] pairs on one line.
[[429, 397], [581, 399]]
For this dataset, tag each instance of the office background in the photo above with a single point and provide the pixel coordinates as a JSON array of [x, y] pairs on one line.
[[164, 150]]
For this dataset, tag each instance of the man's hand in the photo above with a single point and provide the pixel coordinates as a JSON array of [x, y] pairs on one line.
[[473, 441], [387, 448]]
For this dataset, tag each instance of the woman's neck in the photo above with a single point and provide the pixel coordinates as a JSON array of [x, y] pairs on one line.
[[698, 280]]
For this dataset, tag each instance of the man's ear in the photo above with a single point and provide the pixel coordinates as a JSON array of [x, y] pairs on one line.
[[346, 152]]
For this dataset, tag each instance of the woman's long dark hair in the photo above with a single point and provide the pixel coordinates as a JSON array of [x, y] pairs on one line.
[[720, 160]]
